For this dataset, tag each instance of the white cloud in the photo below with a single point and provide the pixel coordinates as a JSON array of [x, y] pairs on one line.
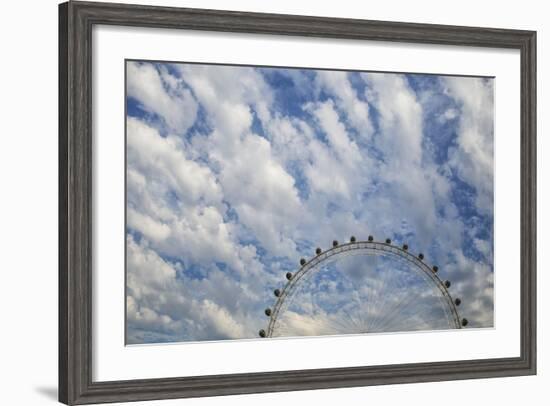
[[346, 150], [176, 202], [148, 273], [152, 229], [163, 160], [160, 301], [400, 115], [229, 94], [355, 109], [220, 320], [473, 157], [412, 184], [449, 114], [254, 183], [162, 95]]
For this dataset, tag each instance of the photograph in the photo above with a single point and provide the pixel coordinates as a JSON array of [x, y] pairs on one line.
[[268, 201]]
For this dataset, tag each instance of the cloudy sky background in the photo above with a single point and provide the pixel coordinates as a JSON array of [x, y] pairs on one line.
[[234, 173]]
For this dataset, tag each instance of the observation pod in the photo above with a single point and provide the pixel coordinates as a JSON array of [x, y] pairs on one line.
[[262, 333], [277, 292], [302, 261], [464, 322], [388, 241], [352, 239], [457, 301], [421, 256], [405, 247], [268, 312], [447, 284], [289, 275], [370, 238], [318, 251], [335, 243], [435, 268]]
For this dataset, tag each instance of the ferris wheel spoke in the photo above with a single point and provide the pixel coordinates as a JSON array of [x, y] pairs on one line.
[[353, 320], [413, 324], [390, 313], [376, 299], [405, 299], [341, 324], [381, 307], [361, 315], [386, 316], [406, 296], [356, 295], [416, 321], [372, 293], [432, 323]]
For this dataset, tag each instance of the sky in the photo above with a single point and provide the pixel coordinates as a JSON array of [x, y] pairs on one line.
[[235, 173]]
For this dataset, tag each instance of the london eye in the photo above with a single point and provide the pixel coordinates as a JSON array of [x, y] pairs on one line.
[[362, 287]]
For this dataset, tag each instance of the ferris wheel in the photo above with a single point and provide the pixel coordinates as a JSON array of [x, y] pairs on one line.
[[362, 287]]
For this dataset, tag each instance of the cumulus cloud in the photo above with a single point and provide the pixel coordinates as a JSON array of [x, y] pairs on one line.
[[178, 205], [164, 302], [473, 155], [353, 108], [236, 172], [162, 94], [449, 114]]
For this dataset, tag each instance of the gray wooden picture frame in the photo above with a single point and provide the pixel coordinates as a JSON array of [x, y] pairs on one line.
[[76, 20]]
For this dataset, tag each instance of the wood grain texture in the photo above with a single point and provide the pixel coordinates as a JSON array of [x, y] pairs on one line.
[[76, 20], [63, 303]]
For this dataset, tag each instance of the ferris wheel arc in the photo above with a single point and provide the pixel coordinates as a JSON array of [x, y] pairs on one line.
[[369, 247]]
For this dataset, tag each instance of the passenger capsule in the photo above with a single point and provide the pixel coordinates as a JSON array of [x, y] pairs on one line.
[[405, 247], [464, 322], [289, 275], [262, 333], [388, 241], [268, 312], [335, 243], [318, 250], [435, 268], [458, 301], [352, 239], [302, 261], [371, 238], [447, 284], [421, 256], [277, 292]]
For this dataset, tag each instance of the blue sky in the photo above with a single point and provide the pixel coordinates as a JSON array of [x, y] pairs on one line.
[[234, 173]]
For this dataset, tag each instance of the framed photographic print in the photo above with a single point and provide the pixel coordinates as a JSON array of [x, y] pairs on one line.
[[258, 202]]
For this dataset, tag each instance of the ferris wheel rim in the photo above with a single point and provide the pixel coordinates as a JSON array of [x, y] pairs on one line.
[[372, 247]]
